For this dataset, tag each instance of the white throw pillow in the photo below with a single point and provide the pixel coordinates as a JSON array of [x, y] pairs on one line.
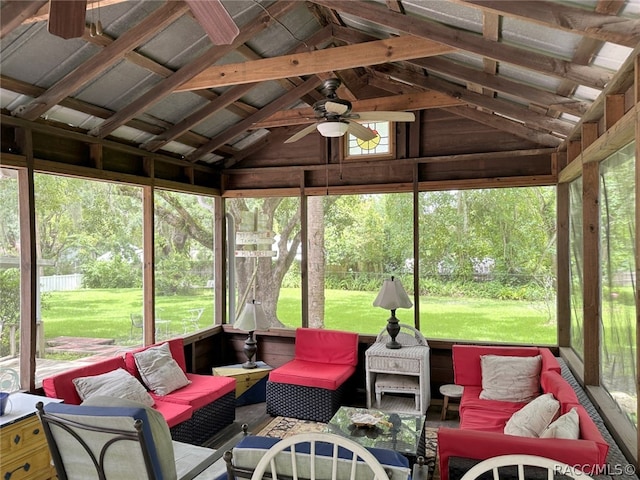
[[159, 371], [510, 379], [117, 383], [566, 426], [532, 419]]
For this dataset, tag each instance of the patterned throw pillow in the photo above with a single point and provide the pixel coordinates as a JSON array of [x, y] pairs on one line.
[[532, 419], [159, 371], [510, 379], [117, 383]]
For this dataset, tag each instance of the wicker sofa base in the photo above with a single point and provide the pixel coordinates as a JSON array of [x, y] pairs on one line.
[[206, 421], [305, 403]]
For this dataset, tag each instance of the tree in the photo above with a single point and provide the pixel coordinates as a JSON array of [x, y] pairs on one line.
[[263, 275], [316, 261]]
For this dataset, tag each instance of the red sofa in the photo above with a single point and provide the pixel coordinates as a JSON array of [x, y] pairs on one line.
[[312, 385], [194, 412], [482, 422]]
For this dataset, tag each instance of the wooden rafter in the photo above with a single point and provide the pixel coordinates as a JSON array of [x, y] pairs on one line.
[[603, 27], [308, 63], [589, 76], [416, 101], [102, 60], [186, 73]]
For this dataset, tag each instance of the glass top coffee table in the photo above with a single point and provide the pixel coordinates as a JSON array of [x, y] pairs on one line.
[[402, 432]]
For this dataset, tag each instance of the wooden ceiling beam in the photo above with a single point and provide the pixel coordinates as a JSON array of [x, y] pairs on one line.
[[42, 14], [497, 83], [501, 123], [593, 77], [14, 13], [154, 127], [503, 85], [501, 107], [282, 102], [232, 94], [165, 88], [408, 102], [103, 60], [606, 28], [309, 63], [237, 108]]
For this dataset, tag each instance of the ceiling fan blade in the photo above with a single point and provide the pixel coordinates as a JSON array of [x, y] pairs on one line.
[[360, 131], [67, 18], [387, 116], [302, 133], [335, 107], [215, 20]]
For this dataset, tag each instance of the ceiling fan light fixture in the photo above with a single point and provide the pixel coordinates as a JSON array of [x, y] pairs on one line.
[[332, 129]]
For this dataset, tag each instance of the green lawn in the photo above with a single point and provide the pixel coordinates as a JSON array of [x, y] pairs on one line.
[[106, 314]]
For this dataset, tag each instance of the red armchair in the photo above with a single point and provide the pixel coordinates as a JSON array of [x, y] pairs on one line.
[[312, 385]]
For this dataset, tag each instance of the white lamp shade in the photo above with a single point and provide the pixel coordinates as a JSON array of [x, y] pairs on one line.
[[332, 129], [392, 295], [252, 318]]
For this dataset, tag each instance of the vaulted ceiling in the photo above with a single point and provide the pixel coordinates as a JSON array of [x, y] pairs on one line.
[[153, 79]]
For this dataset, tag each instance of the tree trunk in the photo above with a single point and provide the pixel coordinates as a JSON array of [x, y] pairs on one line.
[[316, 263]]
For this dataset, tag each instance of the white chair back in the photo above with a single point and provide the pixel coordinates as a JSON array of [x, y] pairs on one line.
[[553, 467], [303, 461]]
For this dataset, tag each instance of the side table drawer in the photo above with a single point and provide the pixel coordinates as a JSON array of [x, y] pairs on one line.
[[30, 466], [395, 365], [22, 436]]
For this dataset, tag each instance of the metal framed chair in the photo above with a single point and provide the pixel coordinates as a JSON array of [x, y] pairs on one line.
[[518, 464], [346, 459], [192, 322], [136, 322], [98, 441]]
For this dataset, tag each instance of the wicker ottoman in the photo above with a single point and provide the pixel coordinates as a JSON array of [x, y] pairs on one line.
[[305, 403], [206, 421]]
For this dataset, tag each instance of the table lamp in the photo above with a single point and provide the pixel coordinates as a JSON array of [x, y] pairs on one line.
[[251, 318], [392, 296]]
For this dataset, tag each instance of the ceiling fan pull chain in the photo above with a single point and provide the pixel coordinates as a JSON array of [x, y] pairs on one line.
[[99, 30]]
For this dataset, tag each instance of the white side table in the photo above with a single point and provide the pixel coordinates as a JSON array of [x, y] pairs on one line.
[[409, 362]]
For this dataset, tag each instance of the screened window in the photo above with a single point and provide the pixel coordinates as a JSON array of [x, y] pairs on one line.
[[9, 266], [576, 259], [617, 238], [487, 268], [184, 259], [264, 249], [89, 238]]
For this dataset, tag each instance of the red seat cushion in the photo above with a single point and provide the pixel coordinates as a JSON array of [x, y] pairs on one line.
[[203, 390], [174, 413], [312, 374]]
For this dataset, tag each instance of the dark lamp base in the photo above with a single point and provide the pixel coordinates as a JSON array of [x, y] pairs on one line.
[[250, 349], [393, 329]]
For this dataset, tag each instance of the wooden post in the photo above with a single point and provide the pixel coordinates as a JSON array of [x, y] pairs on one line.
[[148, 271], [591, 261], [563, 293]]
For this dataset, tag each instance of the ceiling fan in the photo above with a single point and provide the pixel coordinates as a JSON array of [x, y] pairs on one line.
[[67, 19], [335, 117]]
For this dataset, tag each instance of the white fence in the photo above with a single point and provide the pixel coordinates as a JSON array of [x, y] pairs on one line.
[[56, 283]]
